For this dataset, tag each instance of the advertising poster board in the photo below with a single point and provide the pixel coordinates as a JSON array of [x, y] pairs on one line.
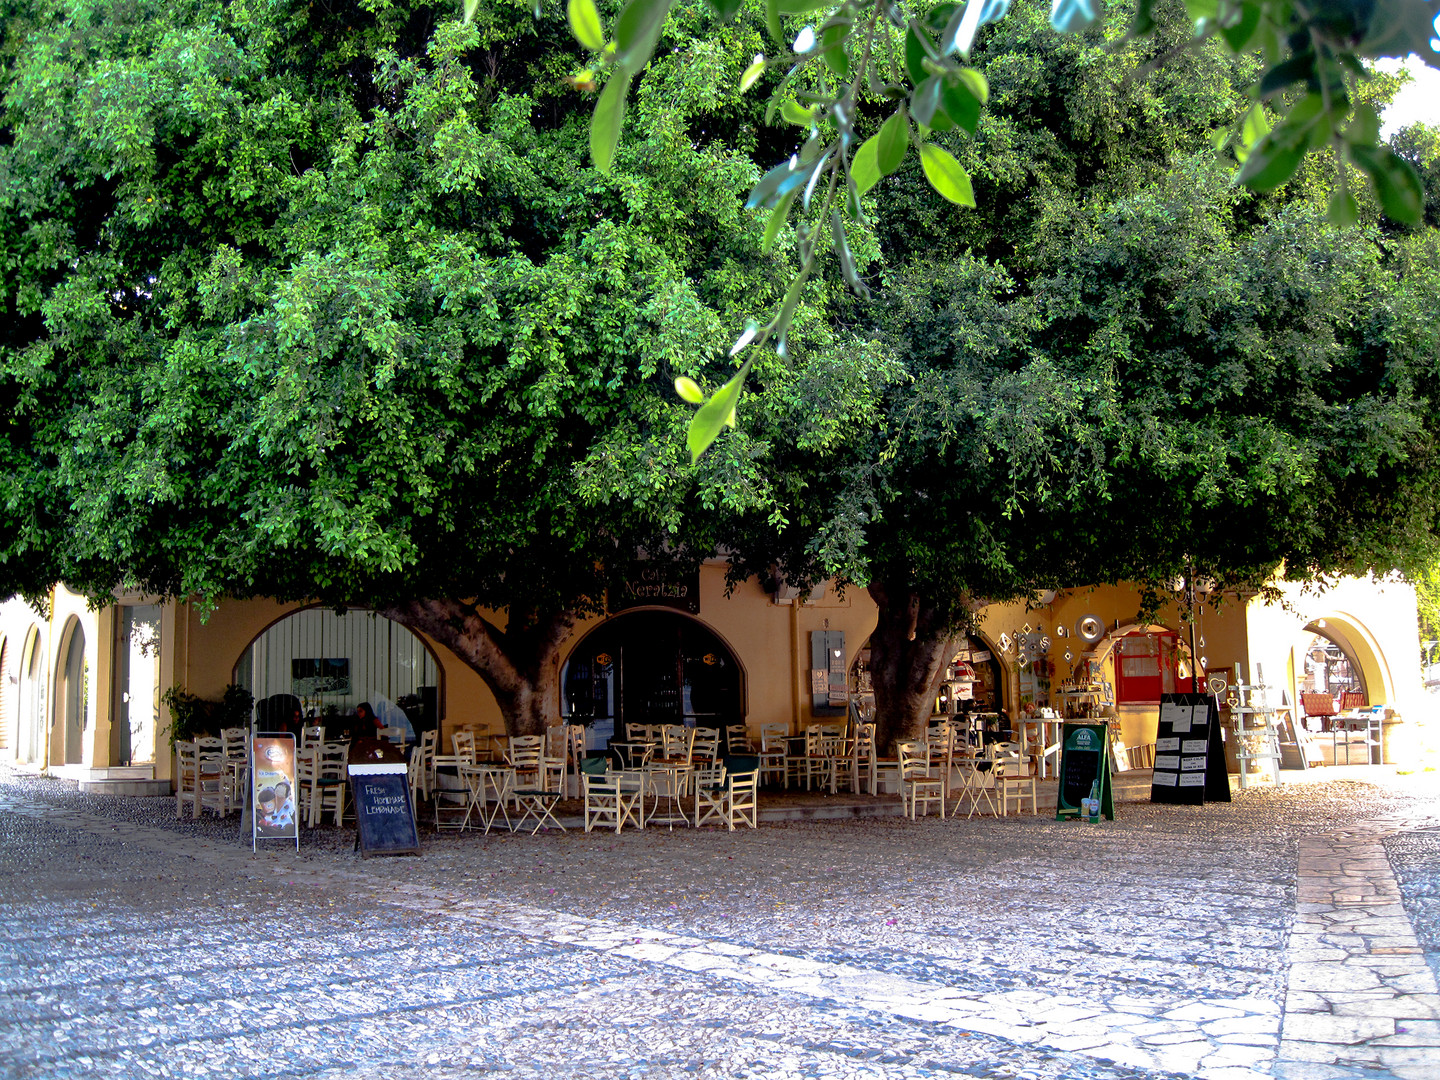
[[1084, 760], [384, 816], [273, 799], [1189, 760]]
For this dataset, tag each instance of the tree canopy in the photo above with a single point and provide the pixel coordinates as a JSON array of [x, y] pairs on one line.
[[323, 303]]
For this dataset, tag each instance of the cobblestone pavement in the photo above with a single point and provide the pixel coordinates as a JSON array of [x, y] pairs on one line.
[[1157, 945]]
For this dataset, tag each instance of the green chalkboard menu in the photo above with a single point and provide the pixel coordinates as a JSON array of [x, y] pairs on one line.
[[1084, 760], [384, 817], [1189, 759]]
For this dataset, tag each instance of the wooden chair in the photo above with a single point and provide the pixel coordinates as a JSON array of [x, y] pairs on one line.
[[918, 789], [187, 777], [212, 782], [737, 740], [705, 746], [677, 742], [773, 750], [611, 798], [1013, 779], [331, 785], [817, 763], [312, 733], [526, 755], [731, 797]]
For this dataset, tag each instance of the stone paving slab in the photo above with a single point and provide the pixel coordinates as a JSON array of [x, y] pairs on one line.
[[1128, 985], [1361, 999]]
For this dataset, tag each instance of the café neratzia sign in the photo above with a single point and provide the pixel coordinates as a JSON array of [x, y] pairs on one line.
[[656, 584]]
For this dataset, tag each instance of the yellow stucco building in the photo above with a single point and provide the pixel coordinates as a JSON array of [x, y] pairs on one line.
[[80, 689]]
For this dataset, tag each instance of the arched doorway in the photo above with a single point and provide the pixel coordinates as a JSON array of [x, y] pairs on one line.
[[329, 662], [651, 667], [31, 741], [72, 695], [1325, 665], [7, 709]]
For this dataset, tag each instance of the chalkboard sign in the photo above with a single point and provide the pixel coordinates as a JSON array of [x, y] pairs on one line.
[[384, 817], [1189, 760], [1084, 759]]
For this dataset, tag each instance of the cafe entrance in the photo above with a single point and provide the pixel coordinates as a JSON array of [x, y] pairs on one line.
[[651, 667]]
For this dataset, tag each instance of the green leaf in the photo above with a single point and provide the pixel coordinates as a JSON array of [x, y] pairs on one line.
[[1144, 20], [725, 9], [1202, 9], [1396, 183], [1253, 128], [1343, 210], [753, 72], [946, 175], [772, 22], [961, 106], [1364, 128], [469, 9], [865, 165], [837, 61], [637, 30], [1299, 68], [894, 140], [847, 260], [1270, 163], [1401, 27], [777, 220], [585, 24], [915, 58], [1238, 34], [608, 118], [925, 102], [792, 111], [711, 418], [689, 390], [974, 81], [802, 7]]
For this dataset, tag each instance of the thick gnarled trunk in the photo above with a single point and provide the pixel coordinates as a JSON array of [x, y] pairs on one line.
[[910, 647], [520, 664]]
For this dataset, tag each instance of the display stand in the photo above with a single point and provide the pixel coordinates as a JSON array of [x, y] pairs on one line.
[[1257, 743], [1084, 760], [1189, 760]]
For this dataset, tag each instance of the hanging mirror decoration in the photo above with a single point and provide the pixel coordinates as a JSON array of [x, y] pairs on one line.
[[1069, 656], [1025, 629], [1044, 644], [1090, 629], [1004, 643]]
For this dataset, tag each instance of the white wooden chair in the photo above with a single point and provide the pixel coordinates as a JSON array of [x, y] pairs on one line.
[[187, 777], [918, 789], [1013, 779], [729, 795], [612, 798], [212, 784], [773, 749]]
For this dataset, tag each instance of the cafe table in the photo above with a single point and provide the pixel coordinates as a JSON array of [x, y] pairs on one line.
[[490, 790], [667, 780]]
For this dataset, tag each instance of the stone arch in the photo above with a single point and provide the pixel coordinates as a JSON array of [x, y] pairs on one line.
[[32, 711], [72, 696], [690, 631], [1360, 645]]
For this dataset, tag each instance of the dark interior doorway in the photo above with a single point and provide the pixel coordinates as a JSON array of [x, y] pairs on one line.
[[652, 667]]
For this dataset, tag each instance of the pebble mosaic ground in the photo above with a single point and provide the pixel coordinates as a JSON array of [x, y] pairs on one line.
[[1154, 946]]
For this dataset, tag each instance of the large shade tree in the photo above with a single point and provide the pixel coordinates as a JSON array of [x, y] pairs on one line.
[[1116, 366], [317, 303]]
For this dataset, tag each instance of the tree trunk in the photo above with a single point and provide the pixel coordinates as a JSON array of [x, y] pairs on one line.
[[520, 664], [909, 649]]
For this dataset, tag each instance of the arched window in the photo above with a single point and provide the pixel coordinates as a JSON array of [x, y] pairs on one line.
[[332, 662]]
